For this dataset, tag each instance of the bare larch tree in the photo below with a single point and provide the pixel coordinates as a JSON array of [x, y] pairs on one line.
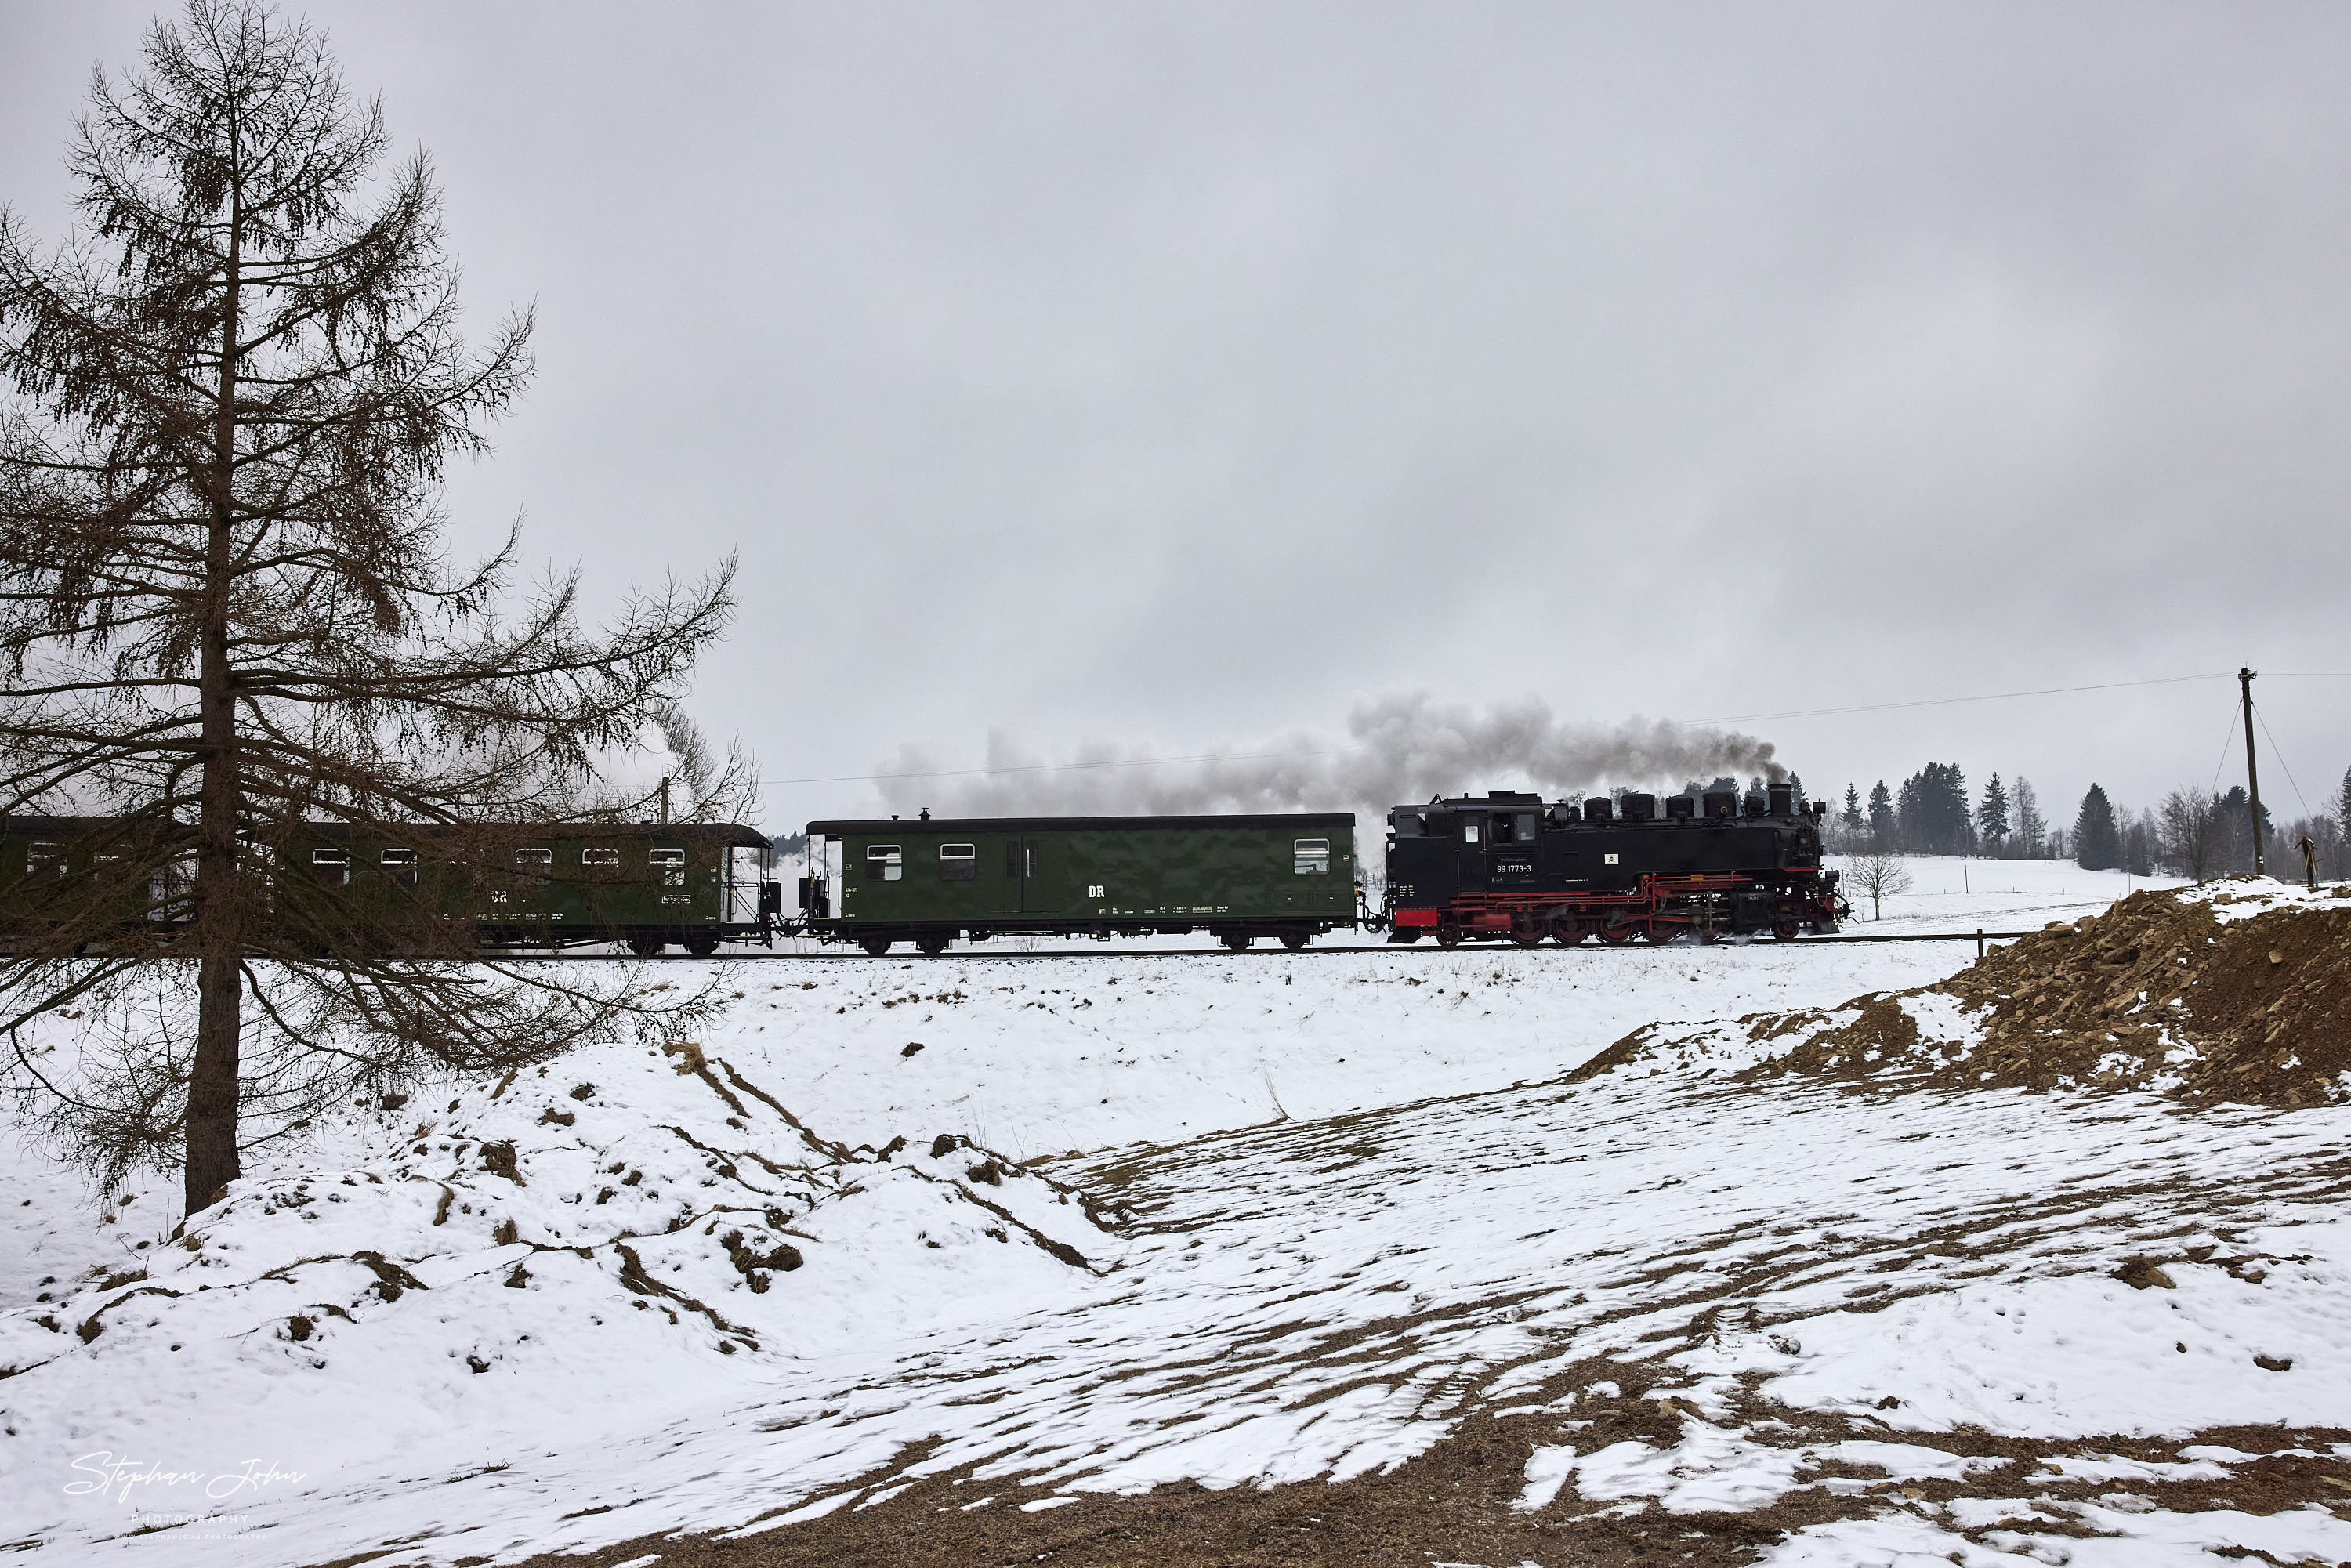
[[227, 615]]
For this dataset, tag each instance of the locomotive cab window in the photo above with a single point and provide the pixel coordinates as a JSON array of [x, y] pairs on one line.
[[670, 862], [1311, 857], [400, 864], [958, 862], [331, 867], [1470, 828], [886, 863]]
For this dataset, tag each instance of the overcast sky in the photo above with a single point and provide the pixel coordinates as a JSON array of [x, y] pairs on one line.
[[1184, 377]]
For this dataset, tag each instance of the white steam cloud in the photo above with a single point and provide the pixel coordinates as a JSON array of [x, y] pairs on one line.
[[1400, 747]]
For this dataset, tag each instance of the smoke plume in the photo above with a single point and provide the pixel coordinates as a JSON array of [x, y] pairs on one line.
[[1399, 748]]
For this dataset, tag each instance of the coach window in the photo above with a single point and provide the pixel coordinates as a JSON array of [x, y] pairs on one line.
[[600, 857], [331, 867], [1311, 857], [670, 862], [45, 859], [958, 862], [885, 863], [540, 861], [400, 864]]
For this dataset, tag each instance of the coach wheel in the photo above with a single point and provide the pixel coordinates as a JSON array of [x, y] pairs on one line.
[[1615, 935], [702, 943], [1294, 940], [1238, 941], [645, 945], [932, 942], [1785, 930], [1567, 932], [877, 946], [1449, 936]]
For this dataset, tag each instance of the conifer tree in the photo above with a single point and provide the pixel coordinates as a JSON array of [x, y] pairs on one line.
[[1883, 830], [2097, 837], [1850, 817], [1992, 817]]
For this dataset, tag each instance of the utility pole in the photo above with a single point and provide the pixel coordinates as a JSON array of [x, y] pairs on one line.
[[2252, 780], [664, 816]]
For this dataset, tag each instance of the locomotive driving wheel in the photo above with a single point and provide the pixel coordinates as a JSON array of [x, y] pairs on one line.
[[1615, 935], [1527, 936], [1658, 931]]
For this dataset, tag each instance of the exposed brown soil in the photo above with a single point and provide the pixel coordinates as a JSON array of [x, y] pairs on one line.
[[1455, 1504], [2111, 1000]]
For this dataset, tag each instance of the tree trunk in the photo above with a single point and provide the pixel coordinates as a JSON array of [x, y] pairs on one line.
[[220, 902]]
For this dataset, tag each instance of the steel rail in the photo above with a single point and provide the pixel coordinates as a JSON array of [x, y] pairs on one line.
[[961, 954]]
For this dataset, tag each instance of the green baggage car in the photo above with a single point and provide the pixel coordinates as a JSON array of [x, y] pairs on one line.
[[1290, 877]]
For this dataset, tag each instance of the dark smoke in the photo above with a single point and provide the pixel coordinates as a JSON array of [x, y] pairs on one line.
[[1400, 747]]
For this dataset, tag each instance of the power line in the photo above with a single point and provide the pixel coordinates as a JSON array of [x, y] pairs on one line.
[[1719, 718], [1047, 767], [2280, 755], [1985, 698]]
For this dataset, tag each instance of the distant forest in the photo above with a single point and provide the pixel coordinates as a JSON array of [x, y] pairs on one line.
[[2191, 832]]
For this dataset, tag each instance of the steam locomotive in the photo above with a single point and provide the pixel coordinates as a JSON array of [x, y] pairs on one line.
[[1507, 867]]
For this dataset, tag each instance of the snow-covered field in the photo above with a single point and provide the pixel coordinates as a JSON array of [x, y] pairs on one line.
[[1949, 893], [1234, 1221]]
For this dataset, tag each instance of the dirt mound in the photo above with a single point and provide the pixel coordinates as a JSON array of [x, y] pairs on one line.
[[2263, 1002], [2241, 994]]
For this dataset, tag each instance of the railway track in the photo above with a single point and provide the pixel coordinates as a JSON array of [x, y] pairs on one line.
[[979, 953]]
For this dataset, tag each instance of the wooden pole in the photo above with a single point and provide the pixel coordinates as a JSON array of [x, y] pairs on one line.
[[2253, 779]]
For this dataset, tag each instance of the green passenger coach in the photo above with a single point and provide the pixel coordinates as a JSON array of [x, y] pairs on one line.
[[1289, 877]]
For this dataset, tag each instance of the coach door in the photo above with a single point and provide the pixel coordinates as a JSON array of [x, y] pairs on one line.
[[1471, 866]]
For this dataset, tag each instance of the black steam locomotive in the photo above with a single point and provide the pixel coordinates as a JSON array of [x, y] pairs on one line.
[[1508, 867]]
